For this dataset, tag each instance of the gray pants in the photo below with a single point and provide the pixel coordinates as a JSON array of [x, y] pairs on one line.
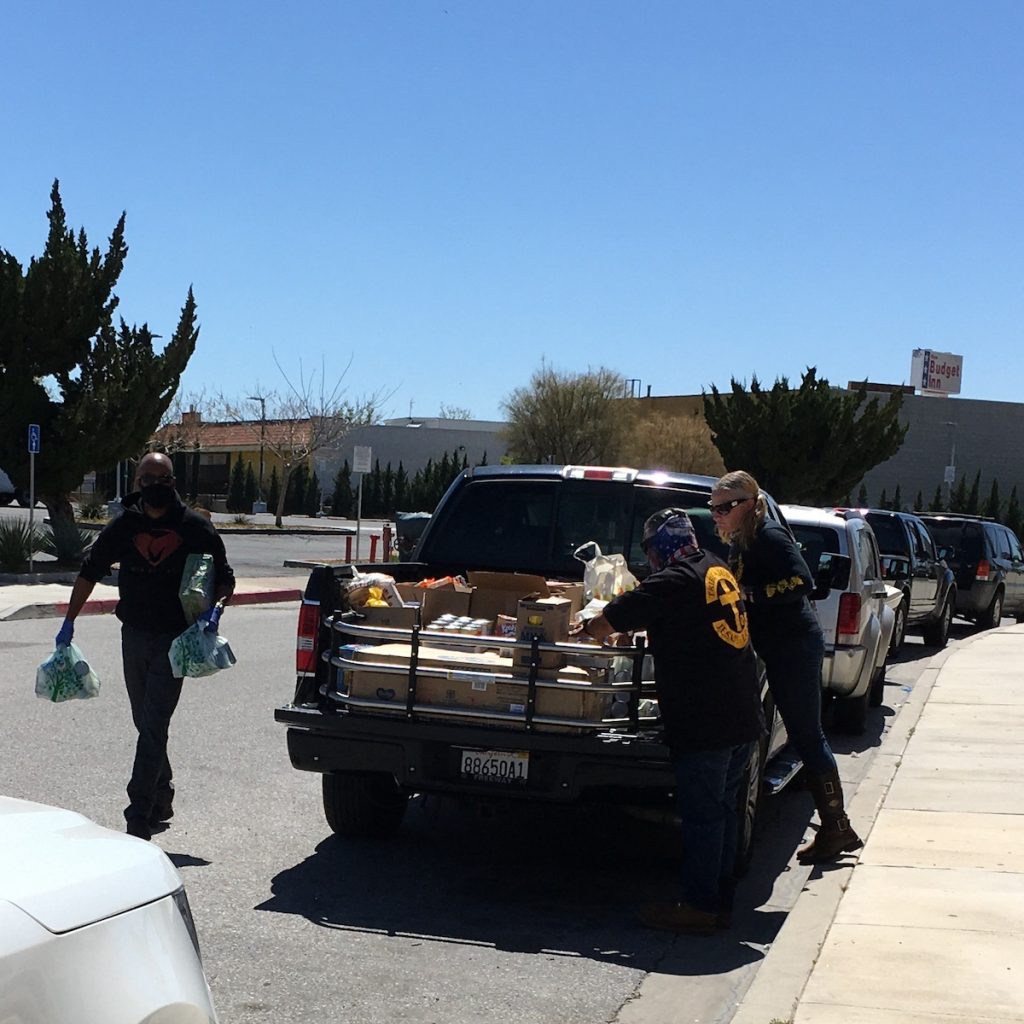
[[153, 691]]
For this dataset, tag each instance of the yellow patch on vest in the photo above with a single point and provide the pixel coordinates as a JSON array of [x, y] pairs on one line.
[[721, 588]]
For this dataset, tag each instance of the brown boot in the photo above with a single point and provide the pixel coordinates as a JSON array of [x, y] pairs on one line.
[[836, 835], [679, 917]]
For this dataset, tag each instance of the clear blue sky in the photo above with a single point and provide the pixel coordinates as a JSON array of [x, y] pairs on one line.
[[448, 192]]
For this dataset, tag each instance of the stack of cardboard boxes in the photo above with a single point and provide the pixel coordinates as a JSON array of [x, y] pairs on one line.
[[528, 607]]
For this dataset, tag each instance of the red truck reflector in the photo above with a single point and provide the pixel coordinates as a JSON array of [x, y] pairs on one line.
[[849, 615], [984, 571], [305, 640]]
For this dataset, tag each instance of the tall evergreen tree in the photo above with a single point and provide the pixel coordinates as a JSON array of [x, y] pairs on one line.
[[342, 499], [312, 497], [919, 502], [883, 501], [810, 444], [274, 490], [97, 389], [295, 499], [401, 487], [251, 486], [387, 492], [897, 500], [973, 498], [958, 498], [937, 502], [236, 487], [993, 506], [862, 497], [1012, 518]]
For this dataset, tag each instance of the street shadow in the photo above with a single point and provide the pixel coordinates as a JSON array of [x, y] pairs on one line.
[[186, 860], [551, 880]]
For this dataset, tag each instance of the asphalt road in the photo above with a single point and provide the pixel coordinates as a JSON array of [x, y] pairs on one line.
[[471, 914]]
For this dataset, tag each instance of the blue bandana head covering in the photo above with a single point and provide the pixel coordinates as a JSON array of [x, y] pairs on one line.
[[670, 536]]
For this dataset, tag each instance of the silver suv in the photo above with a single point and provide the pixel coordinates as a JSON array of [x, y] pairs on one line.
[[851, 600]]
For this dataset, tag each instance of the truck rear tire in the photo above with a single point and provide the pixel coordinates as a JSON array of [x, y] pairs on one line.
[[851, 713], [993, 615], [877, 687], [747, 807], [363, 804]]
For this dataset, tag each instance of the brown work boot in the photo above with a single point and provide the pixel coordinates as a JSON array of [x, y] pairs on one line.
[[678, 917], [832, 839]]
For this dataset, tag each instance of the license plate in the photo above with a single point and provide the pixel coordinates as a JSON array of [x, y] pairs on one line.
[[501, 766]]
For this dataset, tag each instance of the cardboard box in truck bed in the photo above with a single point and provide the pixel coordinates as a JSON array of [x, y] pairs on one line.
[[472, 680]]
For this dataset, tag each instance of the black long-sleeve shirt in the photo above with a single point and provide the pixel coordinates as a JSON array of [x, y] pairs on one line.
[[151, 554], [778, 585]]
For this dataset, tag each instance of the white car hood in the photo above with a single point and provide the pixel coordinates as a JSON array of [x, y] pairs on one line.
[[66, 871]]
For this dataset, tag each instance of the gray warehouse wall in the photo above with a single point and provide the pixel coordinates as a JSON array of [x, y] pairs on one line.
[[987, 437]]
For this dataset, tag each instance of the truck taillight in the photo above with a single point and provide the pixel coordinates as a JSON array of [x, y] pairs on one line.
[[305, 640], [849, 614], [983, 571]]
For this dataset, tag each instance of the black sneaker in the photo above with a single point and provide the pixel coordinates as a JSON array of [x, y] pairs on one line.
[[160, 815], [139, 828]]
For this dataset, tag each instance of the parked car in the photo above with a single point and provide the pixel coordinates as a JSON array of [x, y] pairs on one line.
[[911, 563], [95, 926], [988, 563], [850, 597]]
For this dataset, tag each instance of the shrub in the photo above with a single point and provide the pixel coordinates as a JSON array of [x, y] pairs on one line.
[[92, 509], [66, 542], [241, 519], [17, 542]]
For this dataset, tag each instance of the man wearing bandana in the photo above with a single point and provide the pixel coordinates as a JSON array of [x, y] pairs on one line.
[[151, 541], [708, 695]]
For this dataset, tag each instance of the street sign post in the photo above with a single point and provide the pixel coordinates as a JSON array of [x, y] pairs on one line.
[[34, 437], [362, 455]]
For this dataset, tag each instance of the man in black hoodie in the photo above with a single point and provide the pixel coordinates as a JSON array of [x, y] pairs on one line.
[[151, 541]]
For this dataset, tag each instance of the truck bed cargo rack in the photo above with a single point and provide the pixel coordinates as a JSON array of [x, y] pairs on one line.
[[580, 654]]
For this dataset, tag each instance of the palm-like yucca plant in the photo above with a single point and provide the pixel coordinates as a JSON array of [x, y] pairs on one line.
[[17, 542], [68, 543]]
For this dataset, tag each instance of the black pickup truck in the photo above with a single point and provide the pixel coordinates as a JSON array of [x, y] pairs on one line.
[[373, 756]]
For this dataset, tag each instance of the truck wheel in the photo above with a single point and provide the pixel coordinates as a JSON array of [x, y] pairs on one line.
[[899, 627], [937, 633], [363, 804], [877, 687], [747, 806], [993, 615], [851, 713]]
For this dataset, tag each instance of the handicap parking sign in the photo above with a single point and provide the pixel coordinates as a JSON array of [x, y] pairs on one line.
[[33, 438]]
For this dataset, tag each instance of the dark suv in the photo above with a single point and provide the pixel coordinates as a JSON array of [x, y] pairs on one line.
[[911, 563], [988, 563]]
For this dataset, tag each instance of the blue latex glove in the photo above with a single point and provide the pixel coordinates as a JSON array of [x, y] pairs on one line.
[[67, 632], [210, 618]]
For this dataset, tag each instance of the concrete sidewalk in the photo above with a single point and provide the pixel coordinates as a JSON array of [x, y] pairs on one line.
[[928, 926], [50, 600]]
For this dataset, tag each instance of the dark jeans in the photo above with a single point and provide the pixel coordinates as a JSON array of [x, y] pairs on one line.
[[153, 691], [794, 678], [708, 785]]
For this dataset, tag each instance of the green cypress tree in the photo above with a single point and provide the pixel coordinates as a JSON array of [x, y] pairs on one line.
[[1013, 513], [897, 500], [401, 487], [883, 501], [387, 492], [993, 506], [958, 498], [862, 497], [251, 487], [342, 499], [937, 502], [919, 502], [295, 498], [236, 487], [312, 497], [973, 498], [274, 491]]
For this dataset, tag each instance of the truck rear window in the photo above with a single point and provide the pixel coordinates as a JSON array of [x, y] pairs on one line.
[[962, 541], [536, 525]]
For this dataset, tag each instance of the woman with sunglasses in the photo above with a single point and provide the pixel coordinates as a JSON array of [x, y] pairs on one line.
[[785, 632]]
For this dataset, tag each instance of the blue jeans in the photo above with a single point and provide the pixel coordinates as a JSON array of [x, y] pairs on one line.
[[153, 691], [794, 679], [708, 786]]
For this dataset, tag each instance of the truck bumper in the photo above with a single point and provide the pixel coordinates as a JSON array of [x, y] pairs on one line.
[[428, 758], [843, 672]]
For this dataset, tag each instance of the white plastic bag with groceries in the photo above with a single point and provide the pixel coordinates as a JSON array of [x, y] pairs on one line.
[[66, 675], [604, 576], [199, 652]]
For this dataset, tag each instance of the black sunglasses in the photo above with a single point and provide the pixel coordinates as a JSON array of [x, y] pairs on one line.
[[723, 508]]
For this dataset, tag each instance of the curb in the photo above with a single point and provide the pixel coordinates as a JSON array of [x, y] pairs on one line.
[[781, 979]]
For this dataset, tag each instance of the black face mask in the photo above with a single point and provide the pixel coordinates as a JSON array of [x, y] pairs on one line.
[[158, 495]]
